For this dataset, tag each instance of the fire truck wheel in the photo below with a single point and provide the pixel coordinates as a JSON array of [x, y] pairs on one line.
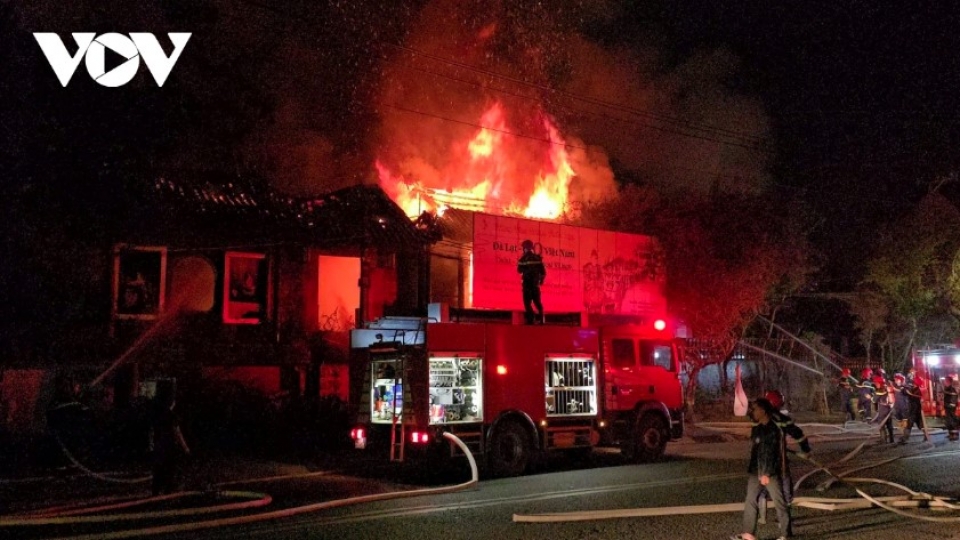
[[509, 453], [648, 440]]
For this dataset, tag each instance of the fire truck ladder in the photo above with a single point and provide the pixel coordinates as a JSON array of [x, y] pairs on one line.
[[398, 431]]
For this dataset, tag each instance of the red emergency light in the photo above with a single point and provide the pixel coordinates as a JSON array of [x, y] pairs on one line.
[[357, 434], [659, 324], [419, 437]]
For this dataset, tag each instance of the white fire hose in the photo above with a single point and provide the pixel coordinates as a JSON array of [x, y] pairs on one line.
[[892, 504], [258, 499]]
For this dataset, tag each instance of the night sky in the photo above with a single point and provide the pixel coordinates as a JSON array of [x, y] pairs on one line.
[[848, 106]]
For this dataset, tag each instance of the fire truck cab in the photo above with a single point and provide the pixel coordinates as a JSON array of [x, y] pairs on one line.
[[513, 392]]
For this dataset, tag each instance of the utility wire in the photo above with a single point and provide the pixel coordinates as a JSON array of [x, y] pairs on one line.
[[749, 141]]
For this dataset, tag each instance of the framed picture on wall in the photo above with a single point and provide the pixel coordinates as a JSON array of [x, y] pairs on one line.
[[245, 288], [139, 281]]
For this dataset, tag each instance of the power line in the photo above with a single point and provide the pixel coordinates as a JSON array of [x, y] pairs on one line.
[[750, 141]]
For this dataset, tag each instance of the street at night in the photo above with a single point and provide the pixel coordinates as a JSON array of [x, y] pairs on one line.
[[274, 269]]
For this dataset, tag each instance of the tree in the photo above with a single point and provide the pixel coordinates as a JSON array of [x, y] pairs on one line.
[[729, 257], [911, 281]]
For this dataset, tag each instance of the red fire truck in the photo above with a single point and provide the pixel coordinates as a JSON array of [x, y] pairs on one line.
[[512, 392], [934, 364]]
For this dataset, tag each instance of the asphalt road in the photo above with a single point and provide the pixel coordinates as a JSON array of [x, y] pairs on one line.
[[692, 475]]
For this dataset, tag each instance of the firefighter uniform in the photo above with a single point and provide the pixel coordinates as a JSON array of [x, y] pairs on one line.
[[883, 398], [788, 429], [950, 420], [532, 273], [913, 391], [768, 458], [846, 385], [901, 408], [865, 391]]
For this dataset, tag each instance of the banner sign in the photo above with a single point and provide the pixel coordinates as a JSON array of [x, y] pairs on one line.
[[587, 269]]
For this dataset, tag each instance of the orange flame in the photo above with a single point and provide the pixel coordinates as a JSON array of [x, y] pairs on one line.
[[493, 173]]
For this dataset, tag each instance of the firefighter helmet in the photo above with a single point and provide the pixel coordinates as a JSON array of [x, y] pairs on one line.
[[879, 381], [866, 373], [775, 398], [919, 382], [845, 372], [898, 377], [527, 244]]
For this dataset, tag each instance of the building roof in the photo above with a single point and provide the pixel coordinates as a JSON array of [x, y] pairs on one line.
[[361, 215]]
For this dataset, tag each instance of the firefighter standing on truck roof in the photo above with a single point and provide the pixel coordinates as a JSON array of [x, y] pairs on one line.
[[532, 273]]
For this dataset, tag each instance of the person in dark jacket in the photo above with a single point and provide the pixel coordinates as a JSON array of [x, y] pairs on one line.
[[914, 392], [846, 385], [950, 420], [883, 396], [532, 274], [789, 429], [865, 391], [901, 408], [768, 463], [169, 446]]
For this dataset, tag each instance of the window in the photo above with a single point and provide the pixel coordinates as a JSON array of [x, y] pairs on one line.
[[623, 354], [657, 354]]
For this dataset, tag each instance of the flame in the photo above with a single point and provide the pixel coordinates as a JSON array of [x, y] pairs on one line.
[[492, 172]]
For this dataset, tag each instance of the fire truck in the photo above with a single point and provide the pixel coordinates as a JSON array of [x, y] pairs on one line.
[[934, 364], [514, 392]]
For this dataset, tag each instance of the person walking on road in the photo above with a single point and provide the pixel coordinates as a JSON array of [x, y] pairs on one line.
[[789, 429], [768, 456]]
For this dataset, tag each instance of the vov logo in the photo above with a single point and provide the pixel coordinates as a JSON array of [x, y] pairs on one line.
[[93, 49]]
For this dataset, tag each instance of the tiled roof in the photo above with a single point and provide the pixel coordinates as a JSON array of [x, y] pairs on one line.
[[346, 217]]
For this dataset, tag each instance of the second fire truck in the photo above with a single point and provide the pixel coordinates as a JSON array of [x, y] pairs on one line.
[[512, 392]]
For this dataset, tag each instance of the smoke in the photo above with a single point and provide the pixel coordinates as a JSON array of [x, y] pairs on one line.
[[407, 88], [680, 127]]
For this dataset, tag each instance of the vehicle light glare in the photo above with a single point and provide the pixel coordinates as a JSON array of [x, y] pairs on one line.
[[501, 370], [659, 324]]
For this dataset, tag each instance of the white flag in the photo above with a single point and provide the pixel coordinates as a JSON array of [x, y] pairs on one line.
[[740, 401]]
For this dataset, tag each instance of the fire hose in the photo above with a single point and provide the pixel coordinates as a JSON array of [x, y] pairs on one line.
[[42, 518], [890, 503]]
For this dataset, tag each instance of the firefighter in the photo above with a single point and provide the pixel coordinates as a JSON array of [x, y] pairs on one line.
[[901, 407], [865, 391], [846, 385], [950, 407], [767, 460], [788, 429], [914, 392], [532, 273], [884, 400]]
